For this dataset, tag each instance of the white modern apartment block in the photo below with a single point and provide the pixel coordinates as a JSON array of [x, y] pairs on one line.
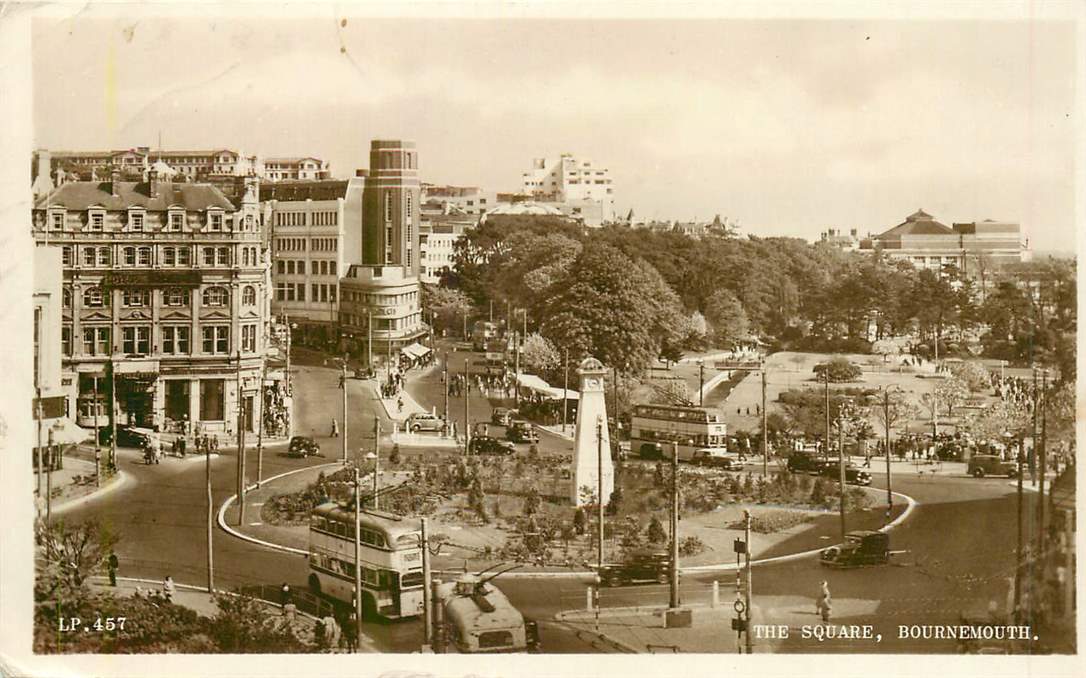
[[315, 232], [578, 182], [437, 238]]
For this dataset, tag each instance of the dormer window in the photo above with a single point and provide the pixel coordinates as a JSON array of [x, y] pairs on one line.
[[56, 219], [136, 220], [214, 221], [96, 219], [176, 220]]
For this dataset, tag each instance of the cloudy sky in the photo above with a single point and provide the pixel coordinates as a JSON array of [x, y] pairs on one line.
[[788, 126]]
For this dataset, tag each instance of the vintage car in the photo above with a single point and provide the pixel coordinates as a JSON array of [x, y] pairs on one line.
[[301, 446], [854, 475], [715, 458], [802, 462], [651, 451], [424, 421], [488, 445], [641, 567], [981, 465], [502, 416], [520, 431], [861, 547]]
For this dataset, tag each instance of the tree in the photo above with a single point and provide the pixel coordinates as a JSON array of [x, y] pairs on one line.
[[839, 370], [611, 307], [885, 348], [891, 409], [672, 392], [540, 356], [726, 319], [69, 556], [449, 306], [242, 625], [973, 375], [655, 533]]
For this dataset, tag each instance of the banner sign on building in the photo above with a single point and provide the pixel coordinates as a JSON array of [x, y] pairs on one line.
[[51, 408], [151, 279]]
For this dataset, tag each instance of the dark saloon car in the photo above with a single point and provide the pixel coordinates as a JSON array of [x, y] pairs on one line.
[[861, 547], [981, 465], [854, 475], [520, 431], [639, 568], [487, 445], [715, 459], [502, 416], [301, 446], [801, 462], [127, 436]]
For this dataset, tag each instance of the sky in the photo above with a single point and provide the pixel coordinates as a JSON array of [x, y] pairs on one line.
[[788, 126]]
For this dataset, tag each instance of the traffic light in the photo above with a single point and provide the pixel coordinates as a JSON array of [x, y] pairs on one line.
[[739, 624]]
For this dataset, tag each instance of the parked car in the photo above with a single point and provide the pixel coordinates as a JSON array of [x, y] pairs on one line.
[[981, 465], [502, 416], [803, 462], [620, 450], [302, 446], [715, 458], [854, 475], [488, 445], [861, 547], [127, 436], [640, 567], [424, 421], [651, 451], [520, 431]]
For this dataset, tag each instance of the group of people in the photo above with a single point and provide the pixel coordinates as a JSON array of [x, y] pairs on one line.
[[276, 413]]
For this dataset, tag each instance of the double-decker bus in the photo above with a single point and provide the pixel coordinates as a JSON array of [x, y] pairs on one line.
[[478, 618], [391, 559], [482, 332], [654, 428]]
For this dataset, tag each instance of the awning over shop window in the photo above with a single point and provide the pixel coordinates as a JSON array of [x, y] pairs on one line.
[[415, 350], [537, 385], [65, 432]]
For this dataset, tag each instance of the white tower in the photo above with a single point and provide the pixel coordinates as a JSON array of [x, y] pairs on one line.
[[589, 451]]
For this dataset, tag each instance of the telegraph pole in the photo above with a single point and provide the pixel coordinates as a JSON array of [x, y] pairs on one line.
[[260, 425], [427, 619], [41, 468], [287, 316], [445, 380], [1041, 461], [565, 389], [358, 555], [97, 444], [886, 419], [49, 481], [376, 459], [673, 579], [343, 384], [701, 383], [599, 488], [1018, 551], [369, 341], [765, 427], [516, 387], [112, 418], [241, 444], [750, 579], [826, 448], [210, 521], [467, 396], [841, 465], [1036, 400]]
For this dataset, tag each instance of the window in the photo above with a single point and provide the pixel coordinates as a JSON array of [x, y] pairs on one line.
[[209, 256], [96, 340], [216, 296], [67, 255], [145, 256], [281, 266], [184, 256], [315, 291], [245, 256], [175, 339], [212, 407], [137, 298], [57, 221], [103, 256], [93, 298], [290, 267], [407, 211], [388, 205], [169, 256], [66, 297], [223, 256], [130, 256], [135, 221], [216, 339], [97, 221], [175, 296], [331, 293], [248, 222], [280, 291], [301, 291], [66, 340], [136, 340], [301, 267], [214, 221], [331, 268], [248, 338], [248, 296], [88, 256], [177, 220]]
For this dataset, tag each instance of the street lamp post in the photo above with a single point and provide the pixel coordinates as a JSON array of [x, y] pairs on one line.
[[701, 383], [343, 384], [673, 578], [599, 490], [375, 457], [765, 426], [358, 555]]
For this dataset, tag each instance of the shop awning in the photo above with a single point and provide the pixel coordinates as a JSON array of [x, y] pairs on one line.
[[64, 430], [415, 350], [537, 385]]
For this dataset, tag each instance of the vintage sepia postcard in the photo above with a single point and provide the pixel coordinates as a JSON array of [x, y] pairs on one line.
[[503, 339]]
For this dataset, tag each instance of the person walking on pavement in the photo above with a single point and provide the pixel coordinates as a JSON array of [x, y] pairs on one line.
[[335, 428], [824, 605], [168, 589], [285, 595], [113, 563], [350, 632], [399, 405]]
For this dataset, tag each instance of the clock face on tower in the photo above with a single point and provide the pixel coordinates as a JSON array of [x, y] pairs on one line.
[[592, 384]]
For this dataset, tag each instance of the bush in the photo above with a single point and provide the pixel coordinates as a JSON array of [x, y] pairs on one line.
[[655, 533], [839, 370], [691, 546], [769, 522]]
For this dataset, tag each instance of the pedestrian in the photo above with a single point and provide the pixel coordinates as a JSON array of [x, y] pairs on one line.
[[285, 595], [331, 631], [335, 428], [350, 632], [168, 589], [399, 405], [113, 562], [824, 605]]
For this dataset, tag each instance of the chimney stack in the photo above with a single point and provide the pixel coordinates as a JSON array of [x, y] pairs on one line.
[[153, 180], [114, 180]]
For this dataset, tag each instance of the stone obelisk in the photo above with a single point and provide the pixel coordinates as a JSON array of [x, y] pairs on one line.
[[587, 446]]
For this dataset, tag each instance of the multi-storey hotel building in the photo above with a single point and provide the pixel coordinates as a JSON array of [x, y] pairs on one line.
[[165, 284]]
